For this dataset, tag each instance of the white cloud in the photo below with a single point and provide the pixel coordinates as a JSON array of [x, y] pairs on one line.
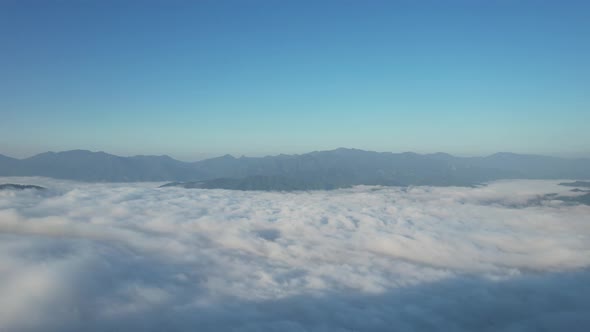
[[135, 257]]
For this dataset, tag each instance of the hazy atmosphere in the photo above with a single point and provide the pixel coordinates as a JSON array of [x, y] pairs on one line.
[[282, 165], [195, 79]]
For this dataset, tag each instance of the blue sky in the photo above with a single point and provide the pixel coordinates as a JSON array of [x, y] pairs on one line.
[[201, 78]]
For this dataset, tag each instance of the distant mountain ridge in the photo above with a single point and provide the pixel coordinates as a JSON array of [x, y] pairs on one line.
[[84, 165], [315, 170]]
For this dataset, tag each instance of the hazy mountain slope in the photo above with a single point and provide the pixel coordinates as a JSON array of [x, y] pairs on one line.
[[99, 166], [345, 167], [8, 165], [314, 170], [535, 166]]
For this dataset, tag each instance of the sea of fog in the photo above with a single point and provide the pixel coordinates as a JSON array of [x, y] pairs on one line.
[[133, 257]]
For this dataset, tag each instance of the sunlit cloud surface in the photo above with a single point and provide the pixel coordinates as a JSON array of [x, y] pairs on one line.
[[132, 257]]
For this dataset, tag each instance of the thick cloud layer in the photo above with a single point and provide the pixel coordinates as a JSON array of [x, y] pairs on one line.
[[99, 257]]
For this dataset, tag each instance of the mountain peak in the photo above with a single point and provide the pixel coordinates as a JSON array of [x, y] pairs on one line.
[[333, 168]]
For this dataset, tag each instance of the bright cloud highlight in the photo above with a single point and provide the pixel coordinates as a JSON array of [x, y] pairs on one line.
[[100, 257]]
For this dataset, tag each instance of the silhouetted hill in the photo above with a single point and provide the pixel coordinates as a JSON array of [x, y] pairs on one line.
[[578, 199], [576, 184], [4, 158], [315, 170], [7, 164], [12, 186], [99, 166]]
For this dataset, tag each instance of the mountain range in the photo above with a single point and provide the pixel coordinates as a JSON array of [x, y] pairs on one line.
[[315, 170]]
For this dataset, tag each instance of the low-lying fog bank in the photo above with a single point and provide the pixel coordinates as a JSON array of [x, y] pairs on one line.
[[135, 257]]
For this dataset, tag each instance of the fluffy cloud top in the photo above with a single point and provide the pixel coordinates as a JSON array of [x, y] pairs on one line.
[[100, 257]]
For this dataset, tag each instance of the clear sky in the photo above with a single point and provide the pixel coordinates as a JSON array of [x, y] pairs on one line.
[[198, 78]]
